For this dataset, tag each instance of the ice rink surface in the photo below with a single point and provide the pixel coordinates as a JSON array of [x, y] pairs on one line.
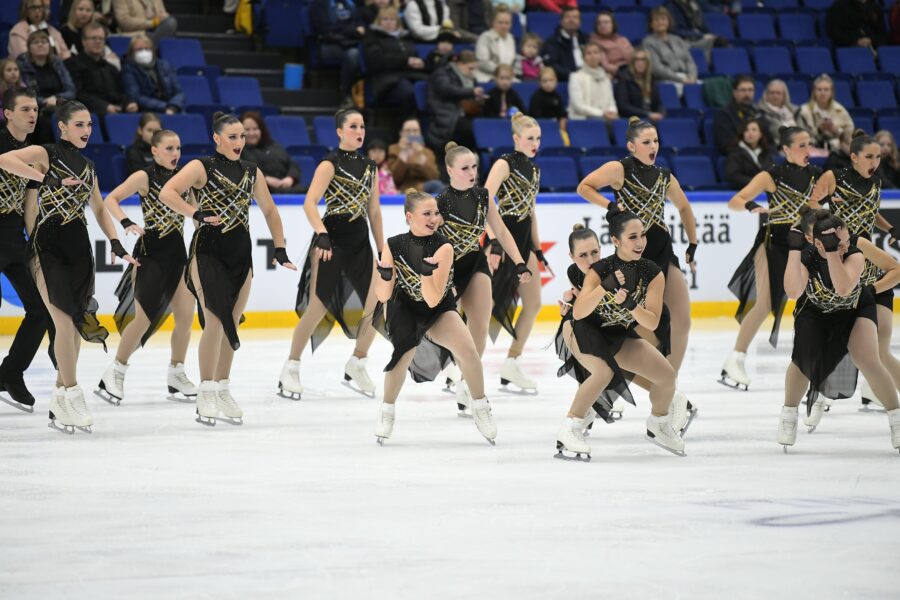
[[300, 502]]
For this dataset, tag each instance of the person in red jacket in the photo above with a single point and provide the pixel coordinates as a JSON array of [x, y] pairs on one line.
[[552, 5]]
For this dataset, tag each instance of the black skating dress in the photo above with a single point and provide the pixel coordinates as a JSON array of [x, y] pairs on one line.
[[342, 283], [793, 188], [162, 256], [223, 253], [516, 198], [12, 207], [465, 220], [60, 246], [823, 322]]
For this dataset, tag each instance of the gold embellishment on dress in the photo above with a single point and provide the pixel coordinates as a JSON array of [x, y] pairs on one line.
[[158, 216], [517, 194], [66, 201], [856, 210], [648, 203], [785, 203], [228, 200], [411, 281], [464, 236], [870, 274], [613, 314], [347, 195], [826, 299], [12, 193]]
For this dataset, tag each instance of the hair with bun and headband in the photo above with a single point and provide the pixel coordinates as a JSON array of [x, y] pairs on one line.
[[579, 233], [860, 139], [618, 219], [221, 119], [635, 127], [413, 197], [452, 151]]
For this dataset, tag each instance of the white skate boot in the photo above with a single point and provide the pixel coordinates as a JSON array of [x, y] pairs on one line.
[[511, 372], [112, 385], [59, 414], [617, 409], [683, 413], [869, 401], [660, 432], [587, 423], [355, 373], [289, 385], [384, 425], [484, 421], [454, 376], [181, 389], [227, 405], [787, 427], [570, 439], [733, 373], [207, 404], [77, 409], [814, 417], [894, 421], [463, 400]]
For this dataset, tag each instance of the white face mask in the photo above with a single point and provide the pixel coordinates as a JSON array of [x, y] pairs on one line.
[[143, 57]]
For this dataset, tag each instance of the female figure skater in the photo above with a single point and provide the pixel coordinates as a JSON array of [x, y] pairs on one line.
[[642, 187], [758, 281], [834, 315], [60, 251], [619, 293], [515, 180], [147, 295], [336, 284], [416, 281], [220, 265]]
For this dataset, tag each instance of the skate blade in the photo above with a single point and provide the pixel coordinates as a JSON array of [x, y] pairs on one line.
[[864, 409], [504, 387], [672, 450], [380, 440], [576, 456], [182, 398], [691, 414], [23, 407], [616, 415], [237, 421], [811, 428], [357, 389], [67, 429], [295, 396], [106, 396], [735, 385], [208, 421], [490, 441], [464, 415], [85, 429]]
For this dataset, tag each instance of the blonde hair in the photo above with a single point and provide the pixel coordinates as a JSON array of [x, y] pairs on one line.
[[549, 71], [139, 37], [452, 151], [502, 68], [70, 19], [645, 81], [413, 197], [894, 157], [520, 122], [532, 37], [812, 97], [388, 11]]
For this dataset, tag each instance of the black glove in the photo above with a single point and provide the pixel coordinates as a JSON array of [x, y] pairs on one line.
[[796, 240], [117, 248], [830, 242], [751, 205], [496, 248], [521, 269], [540, 256], [199, 215], [281, 256], [610, 283], [892, 232], [51, 181], [630, 303], [691, 250], [322, 241], [386, 272], [428, 268], [126, 223]]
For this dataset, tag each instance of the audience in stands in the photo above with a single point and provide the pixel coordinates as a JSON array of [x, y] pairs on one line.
[[776, 107], [496, 46], [729, 121], [552, 5], [10, 78], [688, 22], [34, 15], [340, 28], [590, 89], [670, 55], [371, 9], [80, 14], [840, 157], [563, 50], [637, 94], [46, 74], [856, 23], [138, 155], [889, 170], [750, 156], [823, 116], [546, 103], [150, 81], [426, 18], [281, 172], [144, 16], [502, 98], [452, 97], [529, 63], [97, 81], [377, 153], [617, 50], [443, 51], [392, 63], [411, 163]]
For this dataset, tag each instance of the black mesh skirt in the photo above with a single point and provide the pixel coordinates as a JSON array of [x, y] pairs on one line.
[[659, 249], [405, 323], [505, 286], [885, 299], [465, 268]]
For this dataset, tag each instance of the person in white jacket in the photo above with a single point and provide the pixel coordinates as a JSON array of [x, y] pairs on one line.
[[496, 46], [426, 18], [590, 89]]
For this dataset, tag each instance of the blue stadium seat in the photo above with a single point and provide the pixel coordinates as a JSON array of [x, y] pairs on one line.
[[780, 5], [121, 128], [799, 91], [875, 94], [423, 50], [700, 60], [191, 129], [117, 43], [772, 60], [797, 26], [693, 96], [863, 118], [543, 23], [526, 89], [587, 5], [731, 61], [9, 14], [119, 167], [652, 3], [326, 132], [307, 166], [855, 60], [243, 93], [550, 135], [719, 24], [619, 129], [843, 93], [819, 5], [707, 126], [316, 151], [756, 27], [889, 59], [617, 4], [281, 18], [631, 25], [288, 131], [590, 133], [814, 61], [182, 52], [196, 89], [695, 172], [492, 133], [678, 133], [892, 124], [558, 173], [103, 155], [668, 95], [588, 18]]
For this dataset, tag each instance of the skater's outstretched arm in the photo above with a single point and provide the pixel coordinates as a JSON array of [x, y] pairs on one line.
[[376, 223], [883, 261], [273, 220], [109, 230], [611, 174], [31, 163], [433, 285], [679, 199], [384, 288], [761, 182], [825, 187], [193, 175], [137, 183]]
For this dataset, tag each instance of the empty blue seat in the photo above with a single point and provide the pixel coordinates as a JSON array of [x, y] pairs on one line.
[[678, 133], [526, 89], [820, 5], [558, 173], [288, 131], [420, 88], [543, 23], [797, 26], [719, 24], [307, 166], [892, 124], [782, 4], [326, 132], [550, 135], [668, 95], [592, 162], [863, 118], [122, 127], [799, 91], [700, 60], [239, 91], [590, 133], [281, 18], [182, 52], [619, 129], [118, 44], [103, 156], [190, 128], [889, 59], [843, 93], [855, 60], [731, 61], [492, 133], [196, 89], [875, 94], [756, 27], [693, 96], [588, 18], [423, 50], [632, 25], [772, 60], [695, 172], [814, 61]]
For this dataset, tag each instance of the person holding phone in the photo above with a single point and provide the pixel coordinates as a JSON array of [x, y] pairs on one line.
[[412, 164]]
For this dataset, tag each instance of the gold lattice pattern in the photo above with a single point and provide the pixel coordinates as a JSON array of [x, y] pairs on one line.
[[516, 195], [826, 299], [786, 202], [857, 210], [411, 281], [613, 314], [464, 236], [228, 200], [870, 274], [648, 203], [12, 193], [158, 216], [347, 195], [66, 201]]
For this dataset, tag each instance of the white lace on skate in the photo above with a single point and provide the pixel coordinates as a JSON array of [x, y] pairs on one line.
[[178, 379], [355, 372], [289, 385], [569, 438], [207, 403], [226, 402], [77, 408], [661, 433], [61, 421], [484, 421]]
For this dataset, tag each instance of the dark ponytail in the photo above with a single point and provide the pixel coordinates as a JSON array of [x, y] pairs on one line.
[[66, 108], [618, 220], [786, 135], [221, 119], [859, 140], [341, 116]]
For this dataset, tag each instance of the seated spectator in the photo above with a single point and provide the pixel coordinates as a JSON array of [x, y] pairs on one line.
[[34, 15], [637, 95], [563, 50], [529, 63], [776, 106], [556, 6], [392, 63], [411, 163], [590, 89], [889, 170], [370, 10], [144, 16], [670, 55], [840, 158], [750, 156], [688, 22], [281, 172], [377, 153], [103, 12], [150, 81], [502, 98], [856, 23], [452, 97], [46, 74], [138, 155], [97, 82], [340, 29], [80, 14], [823, 116], [617, 50], [729, 121], [426, 18], [10, 79], [546, 103], [442, 52], [496, 46]]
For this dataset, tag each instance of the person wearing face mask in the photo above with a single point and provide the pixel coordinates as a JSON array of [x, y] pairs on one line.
[[97, 80], [729, 120], [415, 284], [451, 92], [148, 17], [34, 16], [150, 81], [281, 171]]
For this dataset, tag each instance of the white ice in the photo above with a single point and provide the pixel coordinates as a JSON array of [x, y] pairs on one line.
[[300, 502]]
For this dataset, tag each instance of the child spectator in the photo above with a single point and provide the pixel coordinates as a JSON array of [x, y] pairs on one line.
[[442, 52], [546, 103], [529, 63], [377, 152], [502, 97], [10, 78], [138, 155]]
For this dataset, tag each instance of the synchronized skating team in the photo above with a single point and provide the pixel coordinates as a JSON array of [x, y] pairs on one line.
[[470, 256]]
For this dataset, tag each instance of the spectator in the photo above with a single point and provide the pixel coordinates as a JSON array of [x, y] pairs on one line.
[[10, 78], [502, 98], [426, 18], [43, 71], [411, 163], [856, 23], [590, 90], [103, 12], [34, 15], [529, 63], [557, 6], [97, 81], [546, 103], [150, 81], [442, 52], [563, 50], [750, 156], [776, 106], [340, 29], [617, 50], [729, 121], [840, 158], [80, 14], [688, 23], [670, 56], [890, 159], [823, 116], [496, 46], [144, 16], [281, 172], [138, 155], [370, 10], [377, 153], [392, 63], [637, 95], [451, 90]]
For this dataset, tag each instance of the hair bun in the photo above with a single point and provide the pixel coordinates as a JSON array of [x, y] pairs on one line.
[[450, 146], [217, 115], [409, 191], [633, 120], [613, 213], [577, 226], [857, 133]]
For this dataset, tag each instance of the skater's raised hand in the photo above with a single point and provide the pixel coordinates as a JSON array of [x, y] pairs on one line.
[[429, 264], [207, 217], [281, 258], [621, 296], [131, 227]]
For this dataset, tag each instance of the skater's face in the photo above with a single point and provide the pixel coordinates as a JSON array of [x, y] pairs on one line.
[[24, 115], [630, 244], [424, 218], [645, 146], [867, 161], [585, 253], [843, 236], [529, 142], [798, 152], [464, 172], [230, 142], [353, 133], [77, 130], [167, 151]]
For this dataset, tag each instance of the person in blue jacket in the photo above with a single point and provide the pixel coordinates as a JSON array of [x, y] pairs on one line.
[[149, 80]]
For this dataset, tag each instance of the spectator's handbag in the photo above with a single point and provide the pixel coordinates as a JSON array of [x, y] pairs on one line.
[[471, 107]]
